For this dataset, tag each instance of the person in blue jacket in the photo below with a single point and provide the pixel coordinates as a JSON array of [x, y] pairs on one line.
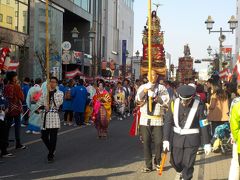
[[79, 97], [67, 103]]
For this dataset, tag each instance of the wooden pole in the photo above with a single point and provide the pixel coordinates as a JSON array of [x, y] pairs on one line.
[[47, 50], [150, 48]]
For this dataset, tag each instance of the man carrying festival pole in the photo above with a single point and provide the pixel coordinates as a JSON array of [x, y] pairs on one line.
[[151, 123], [153, 97]]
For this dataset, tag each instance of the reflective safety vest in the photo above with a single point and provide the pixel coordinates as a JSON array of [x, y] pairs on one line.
[[186, 130]]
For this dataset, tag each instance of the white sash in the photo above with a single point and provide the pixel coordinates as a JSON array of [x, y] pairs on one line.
[[176, 110], [190, 116]]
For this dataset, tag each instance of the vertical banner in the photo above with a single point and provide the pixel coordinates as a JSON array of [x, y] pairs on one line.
[[124, 57]]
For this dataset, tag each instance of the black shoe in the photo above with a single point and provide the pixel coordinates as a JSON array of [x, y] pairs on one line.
[[50, 158], [146, 170], [21, 146]]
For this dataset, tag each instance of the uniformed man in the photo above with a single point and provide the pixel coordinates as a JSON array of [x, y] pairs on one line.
[[151, 123], [185, 120]]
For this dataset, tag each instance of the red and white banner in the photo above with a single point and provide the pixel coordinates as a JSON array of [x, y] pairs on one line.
[[236, 69], [10, 65], [73, 74], [224, 74], [4, 53], [227, 49]]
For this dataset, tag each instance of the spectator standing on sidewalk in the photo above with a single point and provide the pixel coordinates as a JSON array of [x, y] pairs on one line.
[[50, 116], [14, 95], [218, 107]]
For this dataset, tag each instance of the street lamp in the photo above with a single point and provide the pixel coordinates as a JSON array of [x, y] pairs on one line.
[[92, 34], [137, 54], [75, 32], [209, 50], [233, 25], [209, 22]]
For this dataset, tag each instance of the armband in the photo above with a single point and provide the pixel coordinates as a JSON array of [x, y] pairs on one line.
[[203, 123]]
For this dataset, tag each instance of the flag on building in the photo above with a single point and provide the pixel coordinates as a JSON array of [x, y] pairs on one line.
[[236, 69], [10, 65]]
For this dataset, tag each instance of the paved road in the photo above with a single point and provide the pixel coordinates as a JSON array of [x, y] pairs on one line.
[[80, 155]]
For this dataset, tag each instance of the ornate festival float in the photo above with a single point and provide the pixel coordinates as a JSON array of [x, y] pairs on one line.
[[157, 44]]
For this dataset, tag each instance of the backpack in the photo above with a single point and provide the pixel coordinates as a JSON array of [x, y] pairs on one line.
[[67, 95]]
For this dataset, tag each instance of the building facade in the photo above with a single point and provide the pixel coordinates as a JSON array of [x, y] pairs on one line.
[[23, 29], [14, 28], [117, 28]]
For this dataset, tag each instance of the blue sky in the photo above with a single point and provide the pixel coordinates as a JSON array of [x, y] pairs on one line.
[[183, 23]]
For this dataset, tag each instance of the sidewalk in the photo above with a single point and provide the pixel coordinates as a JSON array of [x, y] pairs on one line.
[[213, 167]]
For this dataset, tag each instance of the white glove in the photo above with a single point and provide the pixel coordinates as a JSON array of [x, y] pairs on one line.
[[150, 93], [207, 149], [149, 85], [166, 145]]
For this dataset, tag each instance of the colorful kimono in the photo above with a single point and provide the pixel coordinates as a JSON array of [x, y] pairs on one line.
[[33, 96], [101, 112]]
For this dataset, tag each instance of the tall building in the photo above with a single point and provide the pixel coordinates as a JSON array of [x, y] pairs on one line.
[[23, 28], [64, 16], [14, 28], [117, 30]]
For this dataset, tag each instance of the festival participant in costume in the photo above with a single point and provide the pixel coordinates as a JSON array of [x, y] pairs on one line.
[[151, 123], [33, 96], [50, 116], [120, 100], [186, 118], [101, 110]]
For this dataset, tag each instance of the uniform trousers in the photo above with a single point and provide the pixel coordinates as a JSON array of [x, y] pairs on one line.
[[152, 134], [183, 160]]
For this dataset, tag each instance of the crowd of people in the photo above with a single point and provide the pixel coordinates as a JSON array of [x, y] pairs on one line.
[[182, 118]]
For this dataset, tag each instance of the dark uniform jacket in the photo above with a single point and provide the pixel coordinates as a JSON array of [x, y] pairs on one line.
[[189, 140]]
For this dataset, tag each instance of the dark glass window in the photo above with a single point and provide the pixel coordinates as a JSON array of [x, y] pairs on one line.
[[1, 17]]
